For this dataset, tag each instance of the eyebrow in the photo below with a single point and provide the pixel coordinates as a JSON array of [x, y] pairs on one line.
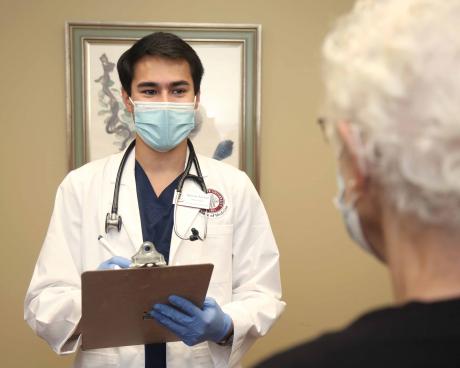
[[156, 85]]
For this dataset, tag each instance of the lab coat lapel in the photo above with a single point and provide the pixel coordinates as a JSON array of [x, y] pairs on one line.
[[128, 207]]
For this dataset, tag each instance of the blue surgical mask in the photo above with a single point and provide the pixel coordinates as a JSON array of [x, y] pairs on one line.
[[350, 217], [163, 125]]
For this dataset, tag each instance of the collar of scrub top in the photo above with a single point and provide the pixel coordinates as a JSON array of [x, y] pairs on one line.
[[130, 163]]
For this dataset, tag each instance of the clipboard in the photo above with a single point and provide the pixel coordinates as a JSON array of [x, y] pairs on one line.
[[114, 302]]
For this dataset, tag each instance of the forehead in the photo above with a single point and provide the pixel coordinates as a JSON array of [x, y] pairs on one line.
[[160, 69]]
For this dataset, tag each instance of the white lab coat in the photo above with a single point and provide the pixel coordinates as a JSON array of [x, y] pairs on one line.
[[240, 244]]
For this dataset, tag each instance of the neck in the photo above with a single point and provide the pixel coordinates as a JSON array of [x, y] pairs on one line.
[[423, 260], [155, 162]]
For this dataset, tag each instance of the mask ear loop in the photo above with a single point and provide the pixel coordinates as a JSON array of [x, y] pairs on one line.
[[132, 112], [359, 152], [195, 104], [351, 183], [340, 196], [354, 197], [195, 111]]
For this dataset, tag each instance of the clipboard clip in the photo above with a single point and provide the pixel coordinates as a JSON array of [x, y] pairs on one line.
[[147, 256], [146, 315]]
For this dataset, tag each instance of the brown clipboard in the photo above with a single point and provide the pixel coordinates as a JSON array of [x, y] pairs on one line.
[[114, 302]]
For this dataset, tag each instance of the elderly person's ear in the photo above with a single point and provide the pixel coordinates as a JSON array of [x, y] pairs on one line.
[[351, 161]]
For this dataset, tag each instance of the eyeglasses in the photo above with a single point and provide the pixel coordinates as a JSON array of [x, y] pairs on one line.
[[327, 131], [321, 121]]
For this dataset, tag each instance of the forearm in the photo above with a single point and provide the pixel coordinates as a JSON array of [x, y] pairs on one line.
[[54, 315], [253, 314]]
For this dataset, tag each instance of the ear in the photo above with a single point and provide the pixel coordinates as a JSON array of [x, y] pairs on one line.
[[197, 100], [351, 162], [126, 101]]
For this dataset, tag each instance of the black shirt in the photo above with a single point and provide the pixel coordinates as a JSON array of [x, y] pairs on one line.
[[414, 335]]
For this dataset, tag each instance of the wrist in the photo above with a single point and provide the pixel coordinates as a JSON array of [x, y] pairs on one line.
[[227, 339]]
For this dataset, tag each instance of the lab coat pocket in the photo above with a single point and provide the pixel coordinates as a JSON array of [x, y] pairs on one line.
[[97, 358], [217, 249]]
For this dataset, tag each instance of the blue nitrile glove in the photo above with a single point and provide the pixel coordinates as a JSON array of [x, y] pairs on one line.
[[114, 263], [192, 324]]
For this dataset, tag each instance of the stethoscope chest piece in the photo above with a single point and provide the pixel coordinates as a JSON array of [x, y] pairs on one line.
[[112, 221]]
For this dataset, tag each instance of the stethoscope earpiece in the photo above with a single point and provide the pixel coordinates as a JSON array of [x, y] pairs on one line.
[[195, 235]]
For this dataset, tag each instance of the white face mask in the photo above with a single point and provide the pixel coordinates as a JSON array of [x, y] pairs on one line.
[[350, 217]]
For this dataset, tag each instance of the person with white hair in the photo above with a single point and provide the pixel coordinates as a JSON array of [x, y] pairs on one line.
[[392, 113]]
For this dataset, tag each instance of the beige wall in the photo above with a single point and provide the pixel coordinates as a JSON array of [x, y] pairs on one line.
[[327, 280]]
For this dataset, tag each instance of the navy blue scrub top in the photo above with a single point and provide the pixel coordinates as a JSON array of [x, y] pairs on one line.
[[157, 219]]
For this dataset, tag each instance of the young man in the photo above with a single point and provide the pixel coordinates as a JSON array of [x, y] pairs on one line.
[[161, 76]]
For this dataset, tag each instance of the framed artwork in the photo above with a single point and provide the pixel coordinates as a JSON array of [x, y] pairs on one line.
[[228, 119]]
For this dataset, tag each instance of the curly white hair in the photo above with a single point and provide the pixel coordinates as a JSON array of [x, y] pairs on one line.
[[392, 69]]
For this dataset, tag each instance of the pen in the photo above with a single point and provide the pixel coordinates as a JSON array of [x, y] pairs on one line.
[[106, 244]]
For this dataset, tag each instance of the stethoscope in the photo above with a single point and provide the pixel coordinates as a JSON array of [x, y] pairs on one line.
[[113, 219]]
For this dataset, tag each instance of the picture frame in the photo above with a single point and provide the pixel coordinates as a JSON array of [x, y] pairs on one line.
[[228, 121]]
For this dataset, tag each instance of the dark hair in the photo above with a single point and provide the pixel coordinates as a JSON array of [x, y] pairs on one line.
[[160, 44]]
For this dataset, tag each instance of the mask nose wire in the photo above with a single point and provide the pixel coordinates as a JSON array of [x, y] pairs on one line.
[[132, 102], [195, 106]]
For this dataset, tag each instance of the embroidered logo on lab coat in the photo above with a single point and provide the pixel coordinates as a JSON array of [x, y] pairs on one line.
[[218, 206]]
